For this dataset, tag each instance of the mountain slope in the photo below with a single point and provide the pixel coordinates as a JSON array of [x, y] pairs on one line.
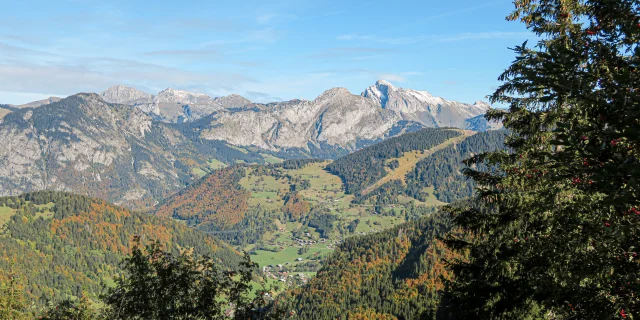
[[365, 167], [393, 274], [433, 175], [127, 95], [5, 109], [115, 152], [64, 244]]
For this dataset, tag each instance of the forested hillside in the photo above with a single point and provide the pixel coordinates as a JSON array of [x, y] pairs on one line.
[[364, 167], [62, 245], [441, 171], [393, 274], [439, 175], [216, 199]]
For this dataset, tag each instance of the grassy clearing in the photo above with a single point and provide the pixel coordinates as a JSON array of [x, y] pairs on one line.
[[4, 112], [211, 165], [265, 190], [201, 173], [5, 215], [325, 189], [243, 150], [216, 164], [289, 255], [374, 223], [47, 212], [270, 158]]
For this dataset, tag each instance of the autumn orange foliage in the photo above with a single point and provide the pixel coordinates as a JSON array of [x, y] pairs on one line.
[[217, 199]]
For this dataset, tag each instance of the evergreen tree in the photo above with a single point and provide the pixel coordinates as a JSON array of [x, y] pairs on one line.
[[159, 285], [562, 239], [13, 302]]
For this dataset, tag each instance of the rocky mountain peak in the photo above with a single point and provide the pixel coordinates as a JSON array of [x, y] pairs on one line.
[[125, 95], [233, 101], [182, 96], [482, 104], [333, 92], [384, 83]]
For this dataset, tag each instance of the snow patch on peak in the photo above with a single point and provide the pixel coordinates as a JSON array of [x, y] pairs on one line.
[[184, 97], [381, 83], [174, 92]]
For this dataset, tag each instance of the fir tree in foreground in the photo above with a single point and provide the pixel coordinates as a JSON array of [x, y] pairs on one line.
[[563, 239], [159, 285]]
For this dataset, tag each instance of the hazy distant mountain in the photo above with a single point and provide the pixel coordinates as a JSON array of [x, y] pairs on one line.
[[172, 105], [38, 103]]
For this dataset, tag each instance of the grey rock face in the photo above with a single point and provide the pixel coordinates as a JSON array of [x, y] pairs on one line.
[[340, 119], [336, 117], [421, 106], [233, 101], [126, 95], [86, 145], [181, 106]]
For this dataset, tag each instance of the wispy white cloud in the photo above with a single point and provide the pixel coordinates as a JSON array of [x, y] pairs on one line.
[[437, 16], [398, 77], [392, 77], [333, 13], [462, 10], [267, 35], [65, 75]]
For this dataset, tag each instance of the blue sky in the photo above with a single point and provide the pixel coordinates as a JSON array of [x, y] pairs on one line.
[[263, 50]]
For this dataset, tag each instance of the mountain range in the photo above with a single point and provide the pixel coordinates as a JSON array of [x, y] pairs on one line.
[[336, 118], [133, 148]]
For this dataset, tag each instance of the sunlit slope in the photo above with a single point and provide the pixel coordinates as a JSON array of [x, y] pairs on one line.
[[63, 245]]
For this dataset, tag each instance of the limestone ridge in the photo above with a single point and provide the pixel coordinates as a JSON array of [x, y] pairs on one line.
[[422, 107], [86, 145], [338, 118]]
